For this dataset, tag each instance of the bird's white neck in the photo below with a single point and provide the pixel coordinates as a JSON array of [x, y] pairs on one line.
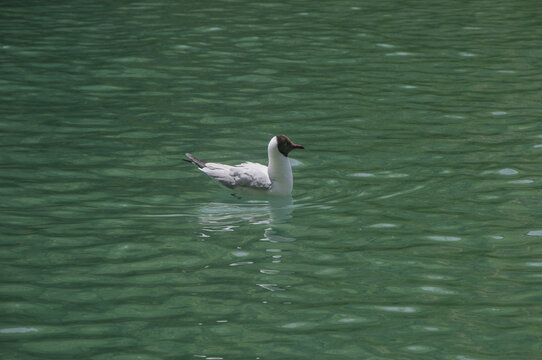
[[279, 170]]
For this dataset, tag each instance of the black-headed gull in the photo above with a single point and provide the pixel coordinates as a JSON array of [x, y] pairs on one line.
[[254, 178]]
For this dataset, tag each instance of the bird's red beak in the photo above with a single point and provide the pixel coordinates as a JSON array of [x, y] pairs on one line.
[[297, 146]]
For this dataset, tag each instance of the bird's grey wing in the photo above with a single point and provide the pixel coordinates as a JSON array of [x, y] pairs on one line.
[[221, 173], [247, 174], [252, 175]]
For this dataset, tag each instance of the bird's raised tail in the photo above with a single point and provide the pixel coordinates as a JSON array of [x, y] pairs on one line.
[[199, 163]]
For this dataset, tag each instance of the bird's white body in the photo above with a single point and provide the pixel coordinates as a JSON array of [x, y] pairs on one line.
[[254, 178]]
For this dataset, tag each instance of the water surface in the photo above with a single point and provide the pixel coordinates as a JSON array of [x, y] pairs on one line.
[[413, 231]]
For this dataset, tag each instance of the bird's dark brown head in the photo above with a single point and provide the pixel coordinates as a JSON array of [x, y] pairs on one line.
[[286, 145]]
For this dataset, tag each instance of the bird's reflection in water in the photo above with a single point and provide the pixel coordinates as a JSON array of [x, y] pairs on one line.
[[272, 236], [222, 216]]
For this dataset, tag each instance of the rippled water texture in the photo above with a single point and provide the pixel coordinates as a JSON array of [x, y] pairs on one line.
[[414, 229]]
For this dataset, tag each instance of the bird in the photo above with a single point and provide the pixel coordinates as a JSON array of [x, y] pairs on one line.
[[253, 178]]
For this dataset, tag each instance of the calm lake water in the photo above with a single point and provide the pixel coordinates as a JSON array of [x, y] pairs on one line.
[[414, 230]]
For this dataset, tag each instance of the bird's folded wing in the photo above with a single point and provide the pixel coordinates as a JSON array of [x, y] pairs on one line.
[[247, 174]]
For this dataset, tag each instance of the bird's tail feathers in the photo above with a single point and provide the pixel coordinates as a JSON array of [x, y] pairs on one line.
[[199, 163]]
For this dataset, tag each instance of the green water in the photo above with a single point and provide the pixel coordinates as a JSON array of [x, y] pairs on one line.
[[414, 230]]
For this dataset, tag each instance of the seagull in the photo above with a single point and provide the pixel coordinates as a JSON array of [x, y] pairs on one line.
[[254, 178]]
